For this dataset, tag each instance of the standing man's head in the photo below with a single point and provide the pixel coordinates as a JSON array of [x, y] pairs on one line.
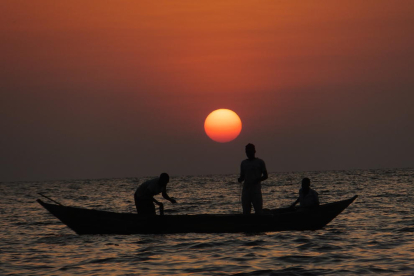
[[305, 184], [164, 178], [250, 151]]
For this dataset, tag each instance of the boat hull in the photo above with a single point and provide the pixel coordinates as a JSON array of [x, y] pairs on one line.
[[88, 221]]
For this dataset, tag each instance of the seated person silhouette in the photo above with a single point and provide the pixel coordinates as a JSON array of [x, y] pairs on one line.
[[307, 196]]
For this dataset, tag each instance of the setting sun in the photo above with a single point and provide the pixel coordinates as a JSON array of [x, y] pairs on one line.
[[223, 125]]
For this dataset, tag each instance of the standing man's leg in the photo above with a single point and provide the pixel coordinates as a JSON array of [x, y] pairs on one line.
[[257, 202], [246, 202]]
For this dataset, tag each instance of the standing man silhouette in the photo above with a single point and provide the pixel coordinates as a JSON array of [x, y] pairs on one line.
[[252, 172]]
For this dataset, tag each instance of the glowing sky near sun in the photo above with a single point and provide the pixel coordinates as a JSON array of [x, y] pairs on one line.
[[122, 88]]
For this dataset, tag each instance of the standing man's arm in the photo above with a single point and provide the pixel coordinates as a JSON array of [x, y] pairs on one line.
[[264, 173], [264, 176], [242, 176]]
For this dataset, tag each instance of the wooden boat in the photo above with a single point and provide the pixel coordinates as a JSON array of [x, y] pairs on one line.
[[88, 221]]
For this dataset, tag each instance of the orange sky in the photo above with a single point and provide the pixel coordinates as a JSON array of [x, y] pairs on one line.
[[104, 88]]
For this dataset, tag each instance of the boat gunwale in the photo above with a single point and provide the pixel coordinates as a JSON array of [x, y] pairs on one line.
[[269, 213], [90, 221]]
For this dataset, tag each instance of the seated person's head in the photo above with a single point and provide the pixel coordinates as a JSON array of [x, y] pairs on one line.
[[306, 184], [164, 178]]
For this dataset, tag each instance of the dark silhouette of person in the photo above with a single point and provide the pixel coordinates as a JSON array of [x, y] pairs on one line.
[[252, 172], [144, 195], [307, 196]]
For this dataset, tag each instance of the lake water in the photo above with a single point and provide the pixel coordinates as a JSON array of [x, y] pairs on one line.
[[374, 235]]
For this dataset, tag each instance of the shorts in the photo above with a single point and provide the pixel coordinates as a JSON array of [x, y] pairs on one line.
[[145, 206]]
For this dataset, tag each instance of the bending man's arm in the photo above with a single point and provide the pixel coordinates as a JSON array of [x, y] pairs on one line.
[[165, 195], [156, 202]]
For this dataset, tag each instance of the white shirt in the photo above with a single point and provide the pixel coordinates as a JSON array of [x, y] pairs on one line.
[[252, 171], [149, 188], [308, 200]]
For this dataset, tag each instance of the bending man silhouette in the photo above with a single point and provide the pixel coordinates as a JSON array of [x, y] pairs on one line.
[[252, 172], [144, 195]]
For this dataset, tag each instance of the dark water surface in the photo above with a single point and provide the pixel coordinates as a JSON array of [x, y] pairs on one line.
[[373, 236]]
